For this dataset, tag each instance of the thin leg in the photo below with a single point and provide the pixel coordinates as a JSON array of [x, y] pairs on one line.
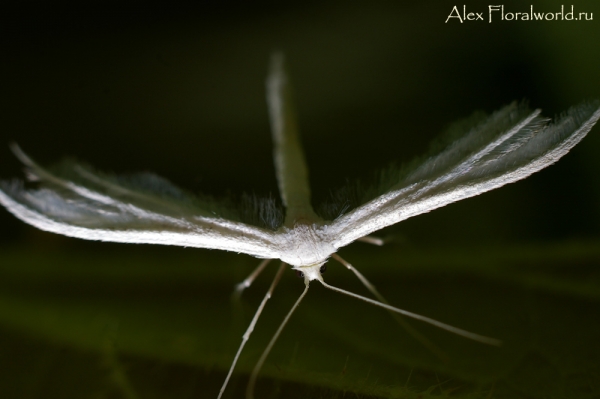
[[263, 357], [372, 240], [455, 330], [239, 288], [403, 323], [358, 274], [246, 335], [118, 373]]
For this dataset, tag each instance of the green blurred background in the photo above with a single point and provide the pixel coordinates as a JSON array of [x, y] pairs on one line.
[[179, 90]]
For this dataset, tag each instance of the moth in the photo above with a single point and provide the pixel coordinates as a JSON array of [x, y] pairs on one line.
[[75, 200]]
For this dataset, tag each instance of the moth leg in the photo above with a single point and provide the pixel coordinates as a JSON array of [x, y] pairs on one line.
[[372, 240], [403, 323], [263, 357], [455, 330], [246, 335], [239, 288], [118, 374]]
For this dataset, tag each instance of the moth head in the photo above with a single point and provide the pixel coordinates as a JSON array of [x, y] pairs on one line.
[[311, 272]]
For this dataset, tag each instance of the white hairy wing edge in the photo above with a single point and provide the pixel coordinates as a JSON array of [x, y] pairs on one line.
[[425, 196], [153, 228]]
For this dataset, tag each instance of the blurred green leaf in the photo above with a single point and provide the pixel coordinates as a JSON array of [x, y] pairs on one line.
[[126, 322]]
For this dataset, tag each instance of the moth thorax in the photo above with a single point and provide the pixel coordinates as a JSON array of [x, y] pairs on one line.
[[305, 245]]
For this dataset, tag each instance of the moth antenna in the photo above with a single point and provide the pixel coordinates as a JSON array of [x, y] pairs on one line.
[[239, 288], [246, 335], [403, 323], [458, 331], [263, 357], [372, 240]]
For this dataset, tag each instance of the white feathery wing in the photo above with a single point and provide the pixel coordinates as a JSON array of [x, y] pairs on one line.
[[508, 146], [78, 202]]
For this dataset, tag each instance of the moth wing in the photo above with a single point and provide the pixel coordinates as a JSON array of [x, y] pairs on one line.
[[510, 145], [75, 201]]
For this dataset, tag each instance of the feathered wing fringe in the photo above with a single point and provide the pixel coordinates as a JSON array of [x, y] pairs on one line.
[[511, 145], [75, 201]]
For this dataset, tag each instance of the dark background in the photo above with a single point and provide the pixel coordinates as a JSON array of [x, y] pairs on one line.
[[178, 89]]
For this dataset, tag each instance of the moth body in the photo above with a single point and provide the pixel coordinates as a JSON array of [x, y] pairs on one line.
[[304, 246]]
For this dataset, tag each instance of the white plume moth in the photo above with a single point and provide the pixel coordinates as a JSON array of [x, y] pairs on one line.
[[74, 200]]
